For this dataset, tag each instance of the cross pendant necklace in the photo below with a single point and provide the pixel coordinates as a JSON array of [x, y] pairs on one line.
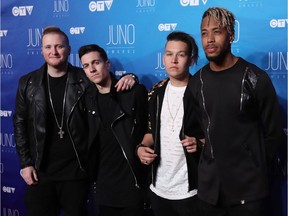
[[61, 133], [60, 126]]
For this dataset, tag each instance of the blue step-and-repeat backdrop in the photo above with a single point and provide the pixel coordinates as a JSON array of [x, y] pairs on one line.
[[133, 33]]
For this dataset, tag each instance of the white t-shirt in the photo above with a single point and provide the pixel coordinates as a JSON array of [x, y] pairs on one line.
[[172, 177]]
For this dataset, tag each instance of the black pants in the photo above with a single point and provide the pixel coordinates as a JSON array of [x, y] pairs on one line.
[[255, 208], [137, 210], [183, 207], [107, 210], [49, 198]]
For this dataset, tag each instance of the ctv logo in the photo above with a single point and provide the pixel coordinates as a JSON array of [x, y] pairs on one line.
[[8, 189], [22, 10], [77, 30], [100, 5], [167, 26], [278, 23], [120, 72], [3, 33], [185, 3], [5, 113]]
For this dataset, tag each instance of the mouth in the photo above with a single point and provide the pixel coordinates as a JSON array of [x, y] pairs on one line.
[[174, 68], [94, 75], [210, 49], [54, 57]]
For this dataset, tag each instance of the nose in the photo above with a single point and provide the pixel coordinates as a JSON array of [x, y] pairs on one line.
[[174, 59], [92, 69], [54, 50], [210, 38]]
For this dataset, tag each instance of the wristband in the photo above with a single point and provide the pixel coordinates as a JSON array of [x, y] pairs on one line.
[[133, 76]]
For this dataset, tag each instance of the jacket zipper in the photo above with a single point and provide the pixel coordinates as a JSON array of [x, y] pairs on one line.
[[242, 90], [73, 144], [156, 133], [184, 149], [129, 164], [209, 121], [37, 153]]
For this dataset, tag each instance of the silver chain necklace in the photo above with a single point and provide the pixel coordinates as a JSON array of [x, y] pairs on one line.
[[60, 126], [172, 117]]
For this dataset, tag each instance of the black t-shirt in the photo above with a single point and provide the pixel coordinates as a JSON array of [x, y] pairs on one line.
[[59, 160], [115, 185]]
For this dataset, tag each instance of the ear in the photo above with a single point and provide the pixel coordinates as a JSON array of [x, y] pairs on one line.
[[69, 50], [107, 63], [191, 60], [231, 38]]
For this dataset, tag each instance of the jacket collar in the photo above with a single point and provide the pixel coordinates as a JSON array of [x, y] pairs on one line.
[[112, 88], [74, 75]]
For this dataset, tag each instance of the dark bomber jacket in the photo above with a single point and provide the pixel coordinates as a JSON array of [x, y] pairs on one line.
[[242, 124], [190, 127]]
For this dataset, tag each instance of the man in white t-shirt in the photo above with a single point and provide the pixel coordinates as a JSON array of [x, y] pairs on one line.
[[170, 145]]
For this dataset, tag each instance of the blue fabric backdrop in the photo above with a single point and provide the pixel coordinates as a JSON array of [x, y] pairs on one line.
[[133, 33]]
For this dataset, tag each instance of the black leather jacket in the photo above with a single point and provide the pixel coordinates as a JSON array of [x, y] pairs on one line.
[[190, 127], [129, 126], [30, 116]]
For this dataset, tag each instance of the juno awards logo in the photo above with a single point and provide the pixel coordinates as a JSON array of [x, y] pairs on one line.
[[250, 3], [145, 6], [61, 8], [121, 39], [34, 41]]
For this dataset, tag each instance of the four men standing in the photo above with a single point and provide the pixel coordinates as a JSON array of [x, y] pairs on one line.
[[83, 127]]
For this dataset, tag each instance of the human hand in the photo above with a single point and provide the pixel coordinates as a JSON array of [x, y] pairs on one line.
[[125, 83], [146, 155], [29, 175], [190, 143]]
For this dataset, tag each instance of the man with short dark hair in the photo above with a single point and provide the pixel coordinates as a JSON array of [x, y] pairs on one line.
[[117, 123], [170, 144]]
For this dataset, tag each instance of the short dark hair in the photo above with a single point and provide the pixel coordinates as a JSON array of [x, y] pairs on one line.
[[187, 39], [57, 30], [92, 48]]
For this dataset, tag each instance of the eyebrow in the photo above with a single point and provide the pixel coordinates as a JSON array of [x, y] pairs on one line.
[[181, 51]]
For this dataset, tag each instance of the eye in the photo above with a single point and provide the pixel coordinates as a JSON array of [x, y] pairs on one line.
[[217, 31], [203, 34], [60, 46], [96, 62]]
